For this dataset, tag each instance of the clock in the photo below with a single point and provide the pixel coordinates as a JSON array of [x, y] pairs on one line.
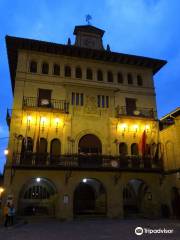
[[89, 43]]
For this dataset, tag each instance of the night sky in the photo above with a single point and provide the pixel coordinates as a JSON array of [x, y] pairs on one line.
[[141, 27]]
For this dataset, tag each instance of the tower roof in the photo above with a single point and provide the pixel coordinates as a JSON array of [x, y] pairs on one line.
[[88, 29]]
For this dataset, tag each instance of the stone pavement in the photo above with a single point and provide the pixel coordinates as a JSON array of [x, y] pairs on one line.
[[101, 229]]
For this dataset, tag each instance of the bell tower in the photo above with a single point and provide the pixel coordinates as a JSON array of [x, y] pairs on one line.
[[88, 36]]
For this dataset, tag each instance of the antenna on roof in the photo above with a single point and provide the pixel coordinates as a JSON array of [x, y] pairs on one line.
[[88, 18]]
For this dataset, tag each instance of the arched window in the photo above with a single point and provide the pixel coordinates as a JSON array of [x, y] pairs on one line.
[[38, 192], [45, 68], [41, 148], [119, 77], [33, 67], [78, 72], [99, 75], [139, 80], [130, 78], [110, 76], [56, 69], [55, 150], [67, 71], [123, 149], [89, 74], [134, 149], [26, 151], [27, 145]]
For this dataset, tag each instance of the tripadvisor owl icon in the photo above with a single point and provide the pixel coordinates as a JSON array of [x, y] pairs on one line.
[[138, 230]]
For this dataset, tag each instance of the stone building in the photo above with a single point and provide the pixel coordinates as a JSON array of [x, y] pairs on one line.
[[170, 148], [84, 133]]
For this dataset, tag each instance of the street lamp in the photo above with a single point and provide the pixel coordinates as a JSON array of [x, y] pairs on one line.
[[6, 151]]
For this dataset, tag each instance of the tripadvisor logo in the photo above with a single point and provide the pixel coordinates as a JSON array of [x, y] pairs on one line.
[[139, 231]]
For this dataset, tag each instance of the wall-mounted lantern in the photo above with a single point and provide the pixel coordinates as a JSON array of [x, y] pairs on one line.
[[29, 119], [135, 129], [42, 122], [147, 128], [122, 128]]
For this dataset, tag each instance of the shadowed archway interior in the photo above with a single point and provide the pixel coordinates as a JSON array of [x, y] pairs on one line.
[[89, 198]]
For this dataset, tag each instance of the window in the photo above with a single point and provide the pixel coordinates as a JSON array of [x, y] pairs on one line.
[[99, 75], [56, 69], [119, 77], [130, 106], [67, 71], [77, 99], [89, 74], [33, 67], [41, 146], [55, 150], [139, 80], [45, 68], [134, 149], [130, 78], [110, 76], [37, 192], [123, 151], [103, 101], [44, 98], [78, 72]]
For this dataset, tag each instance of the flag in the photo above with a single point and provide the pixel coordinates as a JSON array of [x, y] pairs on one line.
[[142, 144]]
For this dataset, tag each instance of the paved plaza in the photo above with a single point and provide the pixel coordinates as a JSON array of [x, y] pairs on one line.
[[104, 229]]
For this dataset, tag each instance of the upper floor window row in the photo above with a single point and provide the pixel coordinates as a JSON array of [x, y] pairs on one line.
[[33, 67], [100, 75]]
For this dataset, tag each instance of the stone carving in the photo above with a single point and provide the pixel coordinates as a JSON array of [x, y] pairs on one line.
[[90, 105]]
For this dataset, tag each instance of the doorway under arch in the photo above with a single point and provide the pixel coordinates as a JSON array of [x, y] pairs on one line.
[[37, 197], [90, 150], [90, 143], [137, 198], [90, 198]]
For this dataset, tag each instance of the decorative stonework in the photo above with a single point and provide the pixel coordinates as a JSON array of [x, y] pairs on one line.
[[91, 105]]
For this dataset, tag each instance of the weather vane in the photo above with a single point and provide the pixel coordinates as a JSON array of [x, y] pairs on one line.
[[88, 18]]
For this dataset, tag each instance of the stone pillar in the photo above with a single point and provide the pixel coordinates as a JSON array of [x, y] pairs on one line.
[[114, 200]]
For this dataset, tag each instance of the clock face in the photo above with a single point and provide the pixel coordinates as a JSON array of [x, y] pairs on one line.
[[88, 42]]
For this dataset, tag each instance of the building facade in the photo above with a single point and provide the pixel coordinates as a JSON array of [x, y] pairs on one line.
[[170, 147], [84, 134]]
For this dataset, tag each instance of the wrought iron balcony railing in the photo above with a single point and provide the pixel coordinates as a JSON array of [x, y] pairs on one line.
[[33, 102], [97, 162], [138, 112]]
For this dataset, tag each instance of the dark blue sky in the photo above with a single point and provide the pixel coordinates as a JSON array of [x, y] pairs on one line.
[[141, 27]]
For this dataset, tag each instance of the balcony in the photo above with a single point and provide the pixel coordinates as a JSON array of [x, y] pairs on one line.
[[138, 112], [32, 102], [86, 162]]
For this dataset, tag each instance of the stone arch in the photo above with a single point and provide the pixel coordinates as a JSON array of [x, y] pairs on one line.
[[90, 143], [85, 132], [26, 150], [90, 151], [138, 201], [134, 149], [37, 196], [33, 65], [41, 148], [90, 197], [123, 148], [55, 150]]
